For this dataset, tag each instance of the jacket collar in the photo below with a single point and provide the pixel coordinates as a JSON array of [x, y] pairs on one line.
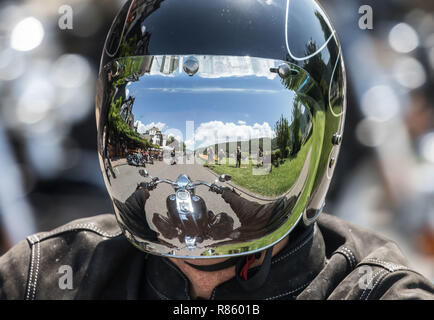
[[292, 269]]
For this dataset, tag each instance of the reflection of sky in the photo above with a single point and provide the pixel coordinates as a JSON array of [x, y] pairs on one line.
[[243, 101]]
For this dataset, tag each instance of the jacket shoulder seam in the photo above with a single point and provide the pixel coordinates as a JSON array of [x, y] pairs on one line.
[[92, 227], [349, 256], [372, 285], [35, 256], [35, 250], [390, 266], [382, 275]]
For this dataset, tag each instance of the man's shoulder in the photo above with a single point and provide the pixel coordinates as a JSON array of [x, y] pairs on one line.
[[358, 244], [368, 265], [33, 268], [101, 226]]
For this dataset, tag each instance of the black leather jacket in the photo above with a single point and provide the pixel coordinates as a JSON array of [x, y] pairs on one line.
[[334, 260]]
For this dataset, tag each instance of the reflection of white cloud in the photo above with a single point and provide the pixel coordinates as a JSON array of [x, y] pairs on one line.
[[142, 128], [213, 90], [177, 137], [219, 132]]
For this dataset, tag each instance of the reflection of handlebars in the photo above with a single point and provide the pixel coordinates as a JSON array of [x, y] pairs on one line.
[[183, 182], [177, 185]]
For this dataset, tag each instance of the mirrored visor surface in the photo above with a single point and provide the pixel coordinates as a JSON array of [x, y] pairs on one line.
[[208, 156]]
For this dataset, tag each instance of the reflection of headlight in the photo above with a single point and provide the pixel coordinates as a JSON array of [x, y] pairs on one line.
[[183, 195]]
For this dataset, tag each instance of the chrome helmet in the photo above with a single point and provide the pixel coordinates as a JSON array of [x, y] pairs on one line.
[[219, 122]]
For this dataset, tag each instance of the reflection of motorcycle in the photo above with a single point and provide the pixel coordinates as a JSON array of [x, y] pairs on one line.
[[188, 217], [135, 160], [142, 159], [173, 155]]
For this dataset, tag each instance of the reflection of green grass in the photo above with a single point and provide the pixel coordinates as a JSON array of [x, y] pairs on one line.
[[274, 183], [316, 141]]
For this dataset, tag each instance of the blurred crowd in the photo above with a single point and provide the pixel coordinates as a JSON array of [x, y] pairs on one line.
[[49, 167], [385, 179]]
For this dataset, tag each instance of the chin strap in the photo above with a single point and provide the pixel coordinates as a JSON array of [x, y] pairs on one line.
[[242, 266], [215, 267], [259, 277]]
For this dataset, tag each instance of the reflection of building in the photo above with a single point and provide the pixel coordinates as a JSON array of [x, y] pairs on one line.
[[212, 66], [169, 64], [126, 112], [155, 136], [162, 65], [226, 66]]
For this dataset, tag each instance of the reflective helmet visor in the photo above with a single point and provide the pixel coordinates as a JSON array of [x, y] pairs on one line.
[[208, 156]]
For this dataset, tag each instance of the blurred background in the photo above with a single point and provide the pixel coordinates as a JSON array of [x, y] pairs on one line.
[[50, 173]]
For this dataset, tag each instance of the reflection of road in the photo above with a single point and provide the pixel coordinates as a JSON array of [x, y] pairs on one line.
[[129, 177]]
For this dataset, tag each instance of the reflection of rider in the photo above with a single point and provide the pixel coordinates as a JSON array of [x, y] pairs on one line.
[[254, 217], [133, 214], [216, 227]]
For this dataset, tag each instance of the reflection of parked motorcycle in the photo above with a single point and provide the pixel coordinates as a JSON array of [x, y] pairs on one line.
[[135, 160], [173, 155], [188, 217], [142, 159]]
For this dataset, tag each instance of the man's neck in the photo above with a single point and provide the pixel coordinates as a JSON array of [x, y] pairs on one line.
[[203, 283]]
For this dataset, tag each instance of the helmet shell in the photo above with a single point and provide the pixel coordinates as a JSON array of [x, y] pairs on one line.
[[294, 33]]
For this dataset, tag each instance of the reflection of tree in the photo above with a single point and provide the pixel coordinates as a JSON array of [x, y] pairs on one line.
[[316, 66], [120, 112], [295, 128], [127, 48], [331, 46], [308, 100], [321, 73], [171, 140], [281, 130], [131, 68], [122, 129]]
